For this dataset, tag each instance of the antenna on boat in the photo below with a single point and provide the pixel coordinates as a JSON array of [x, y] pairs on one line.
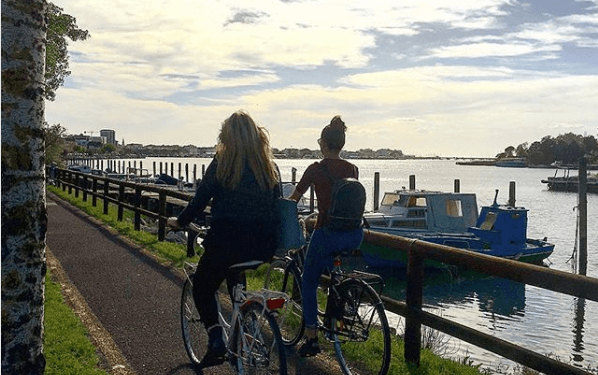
[[495, 204]]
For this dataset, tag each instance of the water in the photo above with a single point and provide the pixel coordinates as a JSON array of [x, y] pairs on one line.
[[540, 320]]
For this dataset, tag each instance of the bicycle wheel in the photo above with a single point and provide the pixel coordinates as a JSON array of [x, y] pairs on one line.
[[257, 344], [363, 337], [285, 278], [195, 336]]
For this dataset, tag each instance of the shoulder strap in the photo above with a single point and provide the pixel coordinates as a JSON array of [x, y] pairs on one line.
[[327, 173]]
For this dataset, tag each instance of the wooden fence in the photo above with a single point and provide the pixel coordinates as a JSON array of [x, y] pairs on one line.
[[417, 251]]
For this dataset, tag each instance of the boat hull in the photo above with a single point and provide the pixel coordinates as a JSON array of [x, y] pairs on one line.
[[534, 252]]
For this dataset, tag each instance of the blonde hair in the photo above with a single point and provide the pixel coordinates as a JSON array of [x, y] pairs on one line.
[[242, 141]]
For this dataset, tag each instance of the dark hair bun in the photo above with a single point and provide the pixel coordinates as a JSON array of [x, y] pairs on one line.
[[337, 124]]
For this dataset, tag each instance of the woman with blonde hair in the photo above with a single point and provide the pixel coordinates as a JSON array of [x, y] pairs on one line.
[[243, 183]]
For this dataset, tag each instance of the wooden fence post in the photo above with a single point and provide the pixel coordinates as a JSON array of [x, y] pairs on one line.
[[94, 189], [413, 298], [76, 186], [84, 189], [162, 217], [121, 199], [137, 203], [106, 192]]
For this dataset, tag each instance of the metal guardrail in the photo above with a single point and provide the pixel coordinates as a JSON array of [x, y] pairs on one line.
[[417, 251]]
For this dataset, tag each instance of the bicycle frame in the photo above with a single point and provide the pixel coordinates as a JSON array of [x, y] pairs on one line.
[[270, 301]]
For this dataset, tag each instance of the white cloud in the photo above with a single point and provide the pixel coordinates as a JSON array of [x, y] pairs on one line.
[[142, 57]]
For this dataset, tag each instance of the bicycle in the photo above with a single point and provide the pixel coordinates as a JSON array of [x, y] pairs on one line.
[[251, 332], [352, 317]]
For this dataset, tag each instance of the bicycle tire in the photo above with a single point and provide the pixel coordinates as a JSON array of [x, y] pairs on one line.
[[195, 336], [366, 335], [257, 344], [283, 277]]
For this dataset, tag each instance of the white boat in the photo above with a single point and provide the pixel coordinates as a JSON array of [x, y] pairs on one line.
[[452, 219]]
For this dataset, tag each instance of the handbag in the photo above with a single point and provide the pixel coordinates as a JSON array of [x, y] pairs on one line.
[[290, 233]]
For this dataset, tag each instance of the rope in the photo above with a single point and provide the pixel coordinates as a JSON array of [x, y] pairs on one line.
[[574, 254]]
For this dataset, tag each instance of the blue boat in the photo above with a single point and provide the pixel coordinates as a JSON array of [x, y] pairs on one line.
[[452, 219]]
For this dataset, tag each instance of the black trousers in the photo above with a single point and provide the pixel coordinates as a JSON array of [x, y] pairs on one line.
[[226, 244]]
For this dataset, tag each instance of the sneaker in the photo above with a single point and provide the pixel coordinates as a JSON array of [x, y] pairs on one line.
[[216, 354], [309, 348]]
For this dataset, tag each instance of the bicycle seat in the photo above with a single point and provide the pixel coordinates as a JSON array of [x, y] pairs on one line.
[[249, 265]]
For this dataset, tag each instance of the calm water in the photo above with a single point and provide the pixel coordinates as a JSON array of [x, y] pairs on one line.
[[543, 321]]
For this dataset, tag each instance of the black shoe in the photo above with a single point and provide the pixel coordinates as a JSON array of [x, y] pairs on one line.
[[309, 348], [216, 354]]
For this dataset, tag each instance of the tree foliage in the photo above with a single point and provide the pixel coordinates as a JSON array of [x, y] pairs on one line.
[[54, 141], [566, 148], [60, 27]]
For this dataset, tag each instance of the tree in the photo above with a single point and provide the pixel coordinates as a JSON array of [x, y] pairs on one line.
[[24, 216], [54, 141], [60, 26]]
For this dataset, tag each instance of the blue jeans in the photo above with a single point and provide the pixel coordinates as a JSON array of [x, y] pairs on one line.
[[324, 245]]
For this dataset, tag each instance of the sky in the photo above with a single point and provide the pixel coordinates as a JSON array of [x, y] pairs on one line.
[[430, 78]]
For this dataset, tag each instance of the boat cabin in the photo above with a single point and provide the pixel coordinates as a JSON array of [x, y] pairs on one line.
[[415, 211]]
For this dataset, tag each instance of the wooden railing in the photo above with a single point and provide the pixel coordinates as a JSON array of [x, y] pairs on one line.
[[542, 277], [111, 190], [417, 252]]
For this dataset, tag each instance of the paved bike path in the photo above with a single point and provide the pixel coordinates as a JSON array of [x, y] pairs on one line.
[[135, 298]]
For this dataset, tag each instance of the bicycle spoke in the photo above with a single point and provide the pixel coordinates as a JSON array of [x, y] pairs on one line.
[[259, 348], [364, 336]]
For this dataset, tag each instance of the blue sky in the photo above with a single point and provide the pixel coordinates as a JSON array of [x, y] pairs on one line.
[[444, 78]]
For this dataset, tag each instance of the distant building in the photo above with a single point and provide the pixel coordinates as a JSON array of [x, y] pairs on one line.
[[110, 136]]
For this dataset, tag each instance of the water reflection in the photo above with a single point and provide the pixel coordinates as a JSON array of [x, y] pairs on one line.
[[498, 299], [578, 322]]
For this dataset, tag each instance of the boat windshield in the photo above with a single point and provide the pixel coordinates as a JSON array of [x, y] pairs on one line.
[[402, 200], [389, 199]]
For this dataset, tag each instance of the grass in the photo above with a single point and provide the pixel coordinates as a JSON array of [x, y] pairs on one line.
[[176, 254], [66, 343]]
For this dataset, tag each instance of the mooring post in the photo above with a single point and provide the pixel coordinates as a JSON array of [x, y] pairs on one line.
[[186, 172], [512, 194], [376, 190], [583, 215], [293, 174], [412, 182], [457, 186]]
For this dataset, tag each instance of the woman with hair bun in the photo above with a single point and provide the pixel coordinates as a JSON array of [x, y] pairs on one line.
[[325, 243]]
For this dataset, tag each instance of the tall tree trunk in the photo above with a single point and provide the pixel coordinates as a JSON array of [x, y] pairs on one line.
[[24, 217]]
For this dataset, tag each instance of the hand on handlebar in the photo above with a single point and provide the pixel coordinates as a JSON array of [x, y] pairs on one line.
[[173, 223]]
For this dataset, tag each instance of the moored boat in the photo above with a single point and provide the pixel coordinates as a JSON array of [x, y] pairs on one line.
[[570, 183], [452, 219]]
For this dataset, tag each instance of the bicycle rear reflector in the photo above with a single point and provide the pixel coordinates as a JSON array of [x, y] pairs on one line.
[[275, 303]]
